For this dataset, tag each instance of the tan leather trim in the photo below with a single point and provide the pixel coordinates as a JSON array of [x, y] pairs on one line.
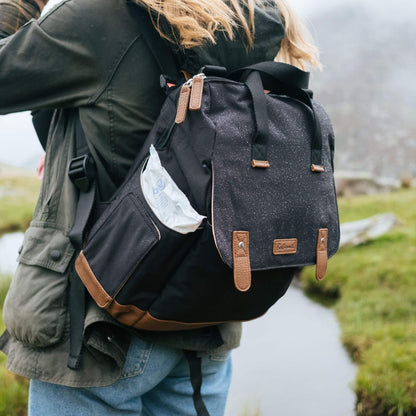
[[264, 164], [321, 253], [101, 297], [133, 316], [150, 323], [285, 246], [196, 94], [241, 260], [183, 102], [317, 168], [129, 315]]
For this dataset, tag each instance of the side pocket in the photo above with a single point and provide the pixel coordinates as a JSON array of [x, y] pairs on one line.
[[116, 248], [35, 309]]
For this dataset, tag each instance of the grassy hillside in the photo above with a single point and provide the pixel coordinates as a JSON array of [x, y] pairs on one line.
[[18, 197], [373, 290], [13, 389]]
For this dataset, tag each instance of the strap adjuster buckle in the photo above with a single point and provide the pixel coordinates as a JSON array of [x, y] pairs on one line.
[[81, 171]]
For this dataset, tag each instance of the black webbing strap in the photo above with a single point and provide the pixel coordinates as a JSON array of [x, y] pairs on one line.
[[41, 122], [81, 170], [77, 309], [286, 74], [259, 147], [283, 79], [196, 380], [158, 47], [4, 339]]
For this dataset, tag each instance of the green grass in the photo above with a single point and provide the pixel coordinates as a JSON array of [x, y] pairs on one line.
[[16, 210], [16, 207], [13, 389], [372, 288]]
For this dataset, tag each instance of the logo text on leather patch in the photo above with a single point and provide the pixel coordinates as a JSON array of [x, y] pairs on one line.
[[285, 246]]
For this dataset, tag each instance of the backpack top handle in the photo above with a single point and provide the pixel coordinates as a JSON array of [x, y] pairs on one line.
[[284, 79]]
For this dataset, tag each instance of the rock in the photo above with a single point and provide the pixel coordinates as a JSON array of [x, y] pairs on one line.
[[361, 231], [363, 183]]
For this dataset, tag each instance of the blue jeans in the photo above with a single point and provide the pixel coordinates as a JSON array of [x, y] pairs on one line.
[[155, 382]]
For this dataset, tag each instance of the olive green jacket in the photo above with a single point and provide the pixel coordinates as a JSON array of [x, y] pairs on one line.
[[89, 55]]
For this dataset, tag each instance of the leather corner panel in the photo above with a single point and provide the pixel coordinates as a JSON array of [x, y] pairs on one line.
[[85, 273]]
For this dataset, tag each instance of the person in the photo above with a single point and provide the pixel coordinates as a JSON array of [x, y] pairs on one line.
[[89, 58]]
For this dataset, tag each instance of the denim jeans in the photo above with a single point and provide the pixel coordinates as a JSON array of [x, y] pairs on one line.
[[155, 382]]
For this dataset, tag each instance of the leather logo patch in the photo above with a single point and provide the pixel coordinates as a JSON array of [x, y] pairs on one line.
[[285, 246]]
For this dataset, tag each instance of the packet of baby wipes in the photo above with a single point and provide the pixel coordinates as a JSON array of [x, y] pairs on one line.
[[167, 201]]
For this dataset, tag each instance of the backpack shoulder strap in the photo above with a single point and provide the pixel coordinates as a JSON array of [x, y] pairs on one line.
[[159, 48]]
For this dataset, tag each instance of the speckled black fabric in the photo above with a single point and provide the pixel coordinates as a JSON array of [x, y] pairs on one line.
[[285, 201]]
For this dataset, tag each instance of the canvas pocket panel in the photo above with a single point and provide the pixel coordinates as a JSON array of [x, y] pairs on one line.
[[129, 256], [35, 309]]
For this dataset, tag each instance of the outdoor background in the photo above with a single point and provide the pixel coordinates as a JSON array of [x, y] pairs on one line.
[[346, 346]]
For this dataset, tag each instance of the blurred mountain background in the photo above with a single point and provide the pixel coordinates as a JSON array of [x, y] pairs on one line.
[[369, 56], [367, 86]]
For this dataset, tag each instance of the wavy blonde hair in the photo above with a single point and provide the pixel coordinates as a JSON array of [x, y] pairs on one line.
[[195, 22]]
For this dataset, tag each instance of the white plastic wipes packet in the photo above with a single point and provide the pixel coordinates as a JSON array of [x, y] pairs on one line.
[[167, 201]]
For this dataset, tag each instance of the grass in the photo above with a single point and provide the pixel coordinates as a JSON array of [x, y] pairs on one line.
[[16, 209], [372, 288], [251, 410], [18, 202], [13, 389]]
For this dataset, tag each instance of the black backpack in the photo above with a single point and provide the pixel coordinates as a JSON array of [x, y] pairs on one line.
[[258, 167], [253, 153]]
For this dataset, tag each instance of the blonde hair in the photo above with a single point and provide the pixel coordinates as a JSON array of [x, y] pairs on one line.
[[297, 47], [195, 22]]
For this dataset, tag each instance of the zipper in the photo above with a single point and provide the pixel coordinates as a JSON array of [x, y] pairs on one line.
[[191, 80], [188, 97], [164, 140], [212, 212], [141, 187]]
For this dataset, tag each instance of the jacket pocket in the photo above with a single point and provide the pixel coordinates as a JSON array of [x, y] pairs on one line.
[[35, 309]]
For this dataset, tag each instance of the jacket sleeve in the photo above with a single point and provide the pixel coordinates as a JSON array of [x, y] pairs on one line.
[[53, 62]]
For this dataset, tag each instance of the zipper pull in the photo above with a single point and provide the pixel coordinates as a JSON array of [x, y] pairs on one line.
[[196, 93], [183, 102]]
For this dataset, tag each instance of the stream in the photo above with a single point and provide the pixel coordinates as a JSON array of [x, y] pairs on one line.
[[9, 246], [290, 362]]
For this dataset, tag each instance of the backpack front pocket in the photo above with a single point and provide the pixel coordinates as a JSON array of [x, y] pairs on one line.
[[129, 257], [115, 250]]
